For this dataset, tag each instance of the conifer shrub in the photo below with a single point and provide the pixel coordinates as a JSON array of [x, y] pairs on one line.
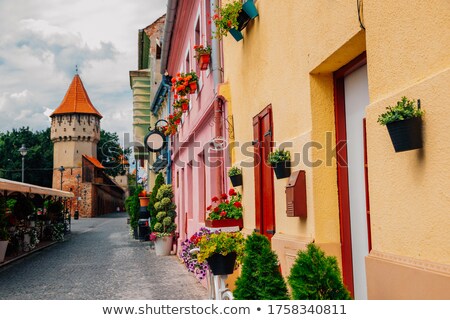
[[315, 276], [260, 278]]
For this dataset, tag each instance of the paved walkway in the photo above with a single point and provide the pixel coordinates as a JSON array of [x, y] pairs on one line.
[[99, 261]]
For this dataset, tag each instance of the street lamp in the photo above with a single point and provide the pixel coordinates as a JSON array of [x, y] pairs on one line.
[[61, 169], [78, 176], [23, 151]]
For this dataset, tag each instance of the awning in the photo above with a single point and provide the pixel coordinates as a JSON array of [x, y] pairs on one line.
[[14, 186]]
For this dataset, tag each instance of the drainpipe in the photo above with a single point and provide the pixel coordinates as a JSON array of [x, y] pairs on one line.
[[169, 111], [215, 52], [218, 106]]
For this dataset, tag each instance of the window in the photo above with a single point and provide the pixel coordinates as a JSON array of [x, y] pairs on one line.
[[158, 52]]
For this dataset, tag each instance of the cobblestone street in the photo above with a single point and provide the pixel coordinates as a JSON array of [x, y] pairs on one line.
[[99, 261]]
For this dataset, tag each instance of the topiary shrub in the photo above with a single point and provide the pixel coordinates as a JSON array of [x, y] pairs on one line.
[[260, 278], [165, 217], [159, 181], [315, 276]]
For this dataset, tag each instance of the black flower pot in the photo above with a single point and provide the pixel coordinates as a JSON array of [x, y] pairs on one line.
[[220, 264], [236, 180], [406, 134], [282, 169]]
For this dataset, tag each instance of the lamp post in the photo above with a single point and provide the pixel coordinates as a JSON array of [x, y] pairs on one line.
[[78, 176], [23, 151], [61, 169]]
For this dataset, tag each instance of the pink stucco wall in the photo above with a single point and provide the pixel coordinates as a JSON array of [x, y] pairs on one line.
[[195, 182]]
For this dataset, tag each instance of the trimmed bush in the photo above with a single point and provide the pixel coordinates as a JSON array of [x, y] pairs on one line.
[[260, 278], [315, 276]]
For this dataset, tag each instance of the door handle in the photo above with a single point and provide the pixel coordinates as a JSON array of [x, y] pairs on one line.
[[270, 231], [256, 230]]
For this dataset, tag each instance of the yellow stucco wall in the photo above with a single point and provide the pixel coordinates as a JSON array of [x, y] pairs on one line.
[[287, 59]]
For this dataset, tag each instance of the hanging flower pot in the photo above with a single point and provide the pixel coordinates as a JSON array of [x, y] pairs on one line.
[[236, 180], [250, 9], [406, 135], [203, 61], [221, 265], [193, 86], [404, 124], [282, 169], [280, 160]]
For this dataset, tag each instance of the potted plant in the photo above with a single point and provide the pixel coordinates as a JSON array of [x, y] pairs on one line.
[[173, 121], [181, 104], [221, 250], [404, 124], [280, 160], [234, 17], [183, 84], [143, 198], [315, 276], [165, 226], [260, 277], [203, 56], [190, 258], [235, 175], [225, 211]]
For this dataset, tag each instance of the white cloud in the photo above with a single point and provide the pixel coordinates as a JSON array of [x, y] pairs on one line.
[[42, 41]]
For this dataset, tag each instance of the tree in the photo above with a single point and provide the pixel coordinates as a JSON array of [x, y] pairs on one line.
[[38, 161], [260, 278], [315, 276], [109, 153]]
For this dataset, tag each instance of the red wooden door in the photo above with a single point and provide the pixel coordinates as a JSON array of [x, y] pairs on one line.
[[264, 197]]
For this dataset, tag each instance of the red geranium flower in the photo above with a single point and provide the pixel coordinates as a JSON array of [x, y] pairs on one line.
[[209, 207], [216, 209], [237, 204], [224, 196], [223, 213], [232, 192], [215, 199]]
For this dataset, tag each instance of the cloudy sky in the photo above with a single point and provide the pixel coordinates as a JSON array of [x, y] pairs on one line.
[[42, 41]]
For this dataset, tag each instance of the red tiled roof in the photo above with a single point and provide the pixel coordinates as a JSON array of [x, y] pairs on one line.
[[76, 100], [94, 161]]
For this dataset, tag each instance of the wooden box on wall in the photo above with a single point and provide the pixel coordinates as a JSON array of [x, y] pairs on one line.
[[296, 195]]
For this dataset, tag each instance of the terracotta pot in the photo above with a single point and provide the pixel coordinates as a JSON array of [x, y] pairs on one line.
[[203, 61], [144, 201]]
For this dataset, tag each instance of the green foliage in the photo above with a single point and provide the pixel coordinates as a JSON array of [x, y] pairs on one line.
[[54, 209], [279, 156], [159, 181], [4, 234], [234, 171], [132, 205], [38, 161], [165, 217], [403, 110], [225, 18], [23, 208], [315, 276], [260, 278], [222, 243], [109, 153]]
